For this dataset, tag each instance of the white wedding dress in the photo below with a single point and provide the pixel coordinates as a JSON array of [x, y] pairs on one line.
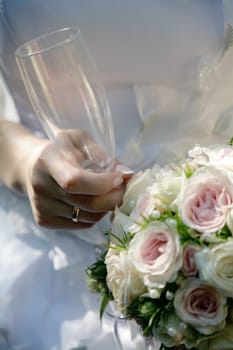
[[169, 84]]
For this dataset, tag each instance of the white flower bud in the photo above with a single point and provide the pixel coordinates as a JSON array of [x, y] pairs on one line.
[[156, 214], [169, 295], [132, 204], [171, 332]]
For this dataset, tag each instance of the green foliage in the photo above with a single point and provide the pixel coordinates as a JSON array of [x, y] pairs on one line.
[[163, 347], [188, 170], [96, 276], [96, 280], [230, 142], [148, 312], [180, 169], [121, 241], [144, 311], [105, 300], [224, 233], [186, 234]]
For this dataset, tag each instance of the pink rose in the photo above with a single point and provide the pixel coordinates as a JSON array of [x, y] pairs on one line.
[[201, 306], [205, 198], [156, 254], [189, 267]]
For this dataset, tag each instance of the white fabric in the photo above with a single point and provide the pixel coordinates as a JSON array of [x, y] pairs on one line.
[[7, 107], [168, 87], [154, 29], [44, 301]]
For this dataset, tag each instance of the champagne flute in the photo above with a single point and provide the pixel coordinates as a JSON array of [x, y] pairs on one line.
[[68, 96]]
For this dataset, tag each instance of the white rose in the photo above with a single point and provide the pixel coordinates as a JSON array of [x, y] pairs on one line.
[[221, 156], [168, 185], [122, 278], [229, 220], [122, 223], [216, 266], [138, 184], [156, 254], [201, 306], [144, 208], [205, 199]]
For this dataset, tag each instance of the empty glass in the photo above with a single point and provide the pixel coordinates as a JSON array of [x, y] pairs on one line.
[[68, 97]]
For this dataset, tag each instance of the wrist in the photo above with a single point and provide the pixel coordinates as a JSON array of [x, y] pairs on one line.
[[31, 147], [18, 146]]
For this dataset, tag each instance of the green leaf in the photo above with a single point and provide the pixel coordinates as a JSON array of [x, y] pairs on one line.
[[186, 234], [117, 238], [103, 304], [224, 233], [230, 142], [156, 314], [121, 241], [188, 170], [180, 169], [166, 215], [96, 276]]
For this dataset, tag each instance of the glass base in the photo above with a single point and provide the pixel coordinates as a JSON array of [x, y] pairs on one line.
[[91, 166]]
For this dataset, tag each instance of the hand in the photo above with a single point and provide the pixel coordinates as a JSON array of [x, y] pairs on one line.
[[56, 183]]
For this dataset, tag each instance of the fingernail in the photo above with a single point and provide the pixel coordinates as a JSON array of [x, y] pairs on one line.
[[118, 181], [124, 169]]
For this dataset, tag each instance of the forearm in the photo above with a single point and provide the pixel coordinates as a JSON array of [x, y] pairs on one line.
[[17, 147]]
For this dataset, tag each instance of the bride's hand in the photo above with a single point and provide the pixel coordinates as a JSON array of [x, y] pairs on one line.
[[57, 185]]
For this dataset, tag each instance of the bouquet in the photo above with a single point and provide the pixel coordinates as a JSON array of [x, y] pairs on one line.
[[169, 261]]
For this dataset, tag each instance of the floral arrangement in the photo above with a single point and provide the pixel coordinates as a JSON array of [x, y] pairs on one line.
[[169, 261]]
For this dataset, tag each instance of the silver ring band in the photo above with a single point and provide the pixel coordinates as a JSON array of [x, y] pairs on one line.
[[75, 214]]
